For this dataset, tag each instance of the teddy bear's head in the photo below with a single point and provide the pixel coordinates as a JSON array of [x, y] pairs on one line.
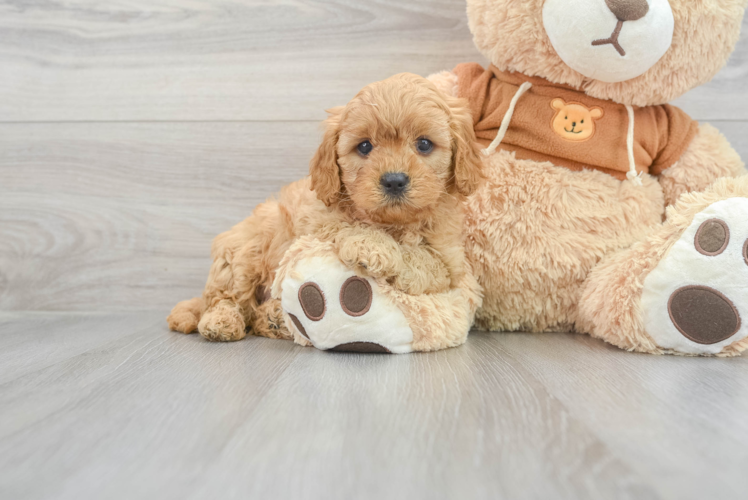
[[639, 52]]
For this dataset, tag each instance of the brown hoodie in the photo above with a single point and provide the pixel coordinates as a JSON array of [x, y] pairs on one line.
[[563, 125]]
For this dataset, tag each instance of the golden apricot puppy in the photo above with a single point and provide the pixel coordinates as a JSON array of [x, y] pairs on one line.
[[386, 188]]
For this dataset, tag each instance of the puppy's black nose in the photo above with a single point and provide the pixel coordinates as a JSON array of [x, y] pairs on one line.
[[394, 183]]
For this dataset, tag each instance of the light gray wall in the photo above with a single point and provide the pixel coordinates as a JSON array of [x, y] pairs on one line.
[[131, 133]]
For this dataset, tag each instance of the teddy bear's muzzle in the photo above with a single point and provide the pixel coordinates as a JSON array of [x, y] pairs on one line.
[[620, 39], [624, 10]]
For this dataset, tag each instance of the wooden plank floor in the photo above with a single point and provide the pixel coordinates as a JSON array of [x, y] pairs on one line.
[[131, 133], [114, 406]]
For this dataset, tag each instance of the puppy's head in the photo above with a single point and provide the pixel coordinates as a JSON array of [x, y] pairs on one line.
[[395, 151]]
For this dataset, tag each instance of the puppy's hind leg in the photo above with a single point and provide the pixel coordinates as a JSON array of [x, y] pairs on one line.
[[186, 315]]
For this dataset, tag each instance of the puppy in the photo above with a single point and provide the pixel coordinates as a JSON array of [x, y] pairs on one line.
[[386, 187]]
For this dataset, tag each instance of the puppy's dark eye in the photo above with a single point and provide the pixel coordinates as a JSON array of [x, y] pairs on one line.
[[424, 146], [365, 148]]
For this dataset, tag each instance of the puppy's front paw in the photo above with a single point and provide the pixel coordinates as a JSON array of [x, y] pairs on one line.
[[371, 252]]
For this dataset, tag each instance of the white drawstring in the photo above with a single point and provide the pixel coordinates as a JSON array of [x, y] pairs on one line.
[[507, 119], [632, 174]]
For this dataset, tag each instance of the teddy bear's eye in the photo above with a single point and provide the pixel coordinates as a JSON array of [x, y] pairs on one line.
[[566, 118], [582, 121]]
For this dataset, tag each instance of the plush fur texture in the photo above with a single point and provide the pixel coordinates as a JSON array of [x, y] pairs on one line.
[[511, 35], [536, 230], [439, 319], [561, 250], [610, 302], [709, 157], [414, 243]]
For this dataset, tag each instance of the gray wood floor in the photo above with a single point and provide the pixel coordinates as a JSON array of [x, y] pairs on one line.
[[114, 406], [131, 133]]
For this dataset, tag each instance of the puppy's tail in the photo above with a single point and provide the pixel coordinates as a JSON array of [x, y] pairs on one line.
[[186, 315]]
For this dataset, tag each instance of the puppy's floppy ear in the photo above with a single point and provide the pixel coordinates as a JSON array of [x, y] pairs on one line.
[[323, 168], [466, 158]]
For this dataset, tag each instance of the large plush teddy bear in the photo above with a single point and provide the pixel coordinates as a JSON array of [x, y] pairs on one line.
[[606, 211]]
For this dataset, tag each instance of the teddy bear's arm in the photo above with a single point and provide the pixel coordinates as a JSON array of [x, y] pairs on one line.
[[708, 158], [446, 82]]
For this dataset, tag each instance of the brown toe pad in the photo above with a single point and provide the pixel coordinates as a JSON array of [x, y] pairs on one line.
[[312, 301], [298, 325], [366, 347], [712, 237], [356, 296], [703, 315]]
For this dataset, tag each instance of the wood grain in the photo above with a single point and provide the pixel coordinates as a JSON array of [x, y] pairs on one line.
[[133, 132], [197, 60], [120, 216], [692, 411], [145, 413], [152, 414]]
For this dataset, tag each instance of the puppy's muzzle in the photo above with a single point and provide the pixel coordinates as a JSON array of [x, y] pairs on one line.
[[394, 184]]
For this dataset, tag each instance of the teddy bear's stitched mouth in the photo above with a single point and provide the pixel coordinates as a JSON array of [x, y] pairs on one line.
[[624, 10], [613, 40]]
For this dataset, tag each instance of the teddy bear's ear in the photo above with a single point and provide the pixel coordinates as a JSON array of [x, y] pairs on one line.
[[323, 168], [466, 158], [558, 104], [596, 113]]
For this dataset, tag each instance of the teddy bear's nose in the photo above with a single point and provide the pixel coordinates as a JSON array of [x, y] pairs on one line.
[[628, 10], [573, 124]]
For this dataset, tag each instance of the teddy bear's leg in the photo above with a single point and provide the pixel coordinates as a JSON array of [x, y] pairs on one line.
[[330, 307], [684, 289], [333, 309]]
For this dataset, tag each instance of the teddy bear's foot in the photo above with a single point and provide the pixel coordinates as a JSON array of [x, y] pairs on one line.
[[683, 290], [696, 300], [333, 309], [327, 305]]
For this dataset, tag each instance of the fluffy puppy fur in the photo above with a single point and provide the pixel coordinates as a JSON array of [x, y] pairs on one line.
[[414, 240]]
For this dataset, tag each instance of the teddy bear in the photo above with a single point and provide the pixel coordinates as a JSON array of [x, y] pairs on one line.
[[606, 210], [329, 305]]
